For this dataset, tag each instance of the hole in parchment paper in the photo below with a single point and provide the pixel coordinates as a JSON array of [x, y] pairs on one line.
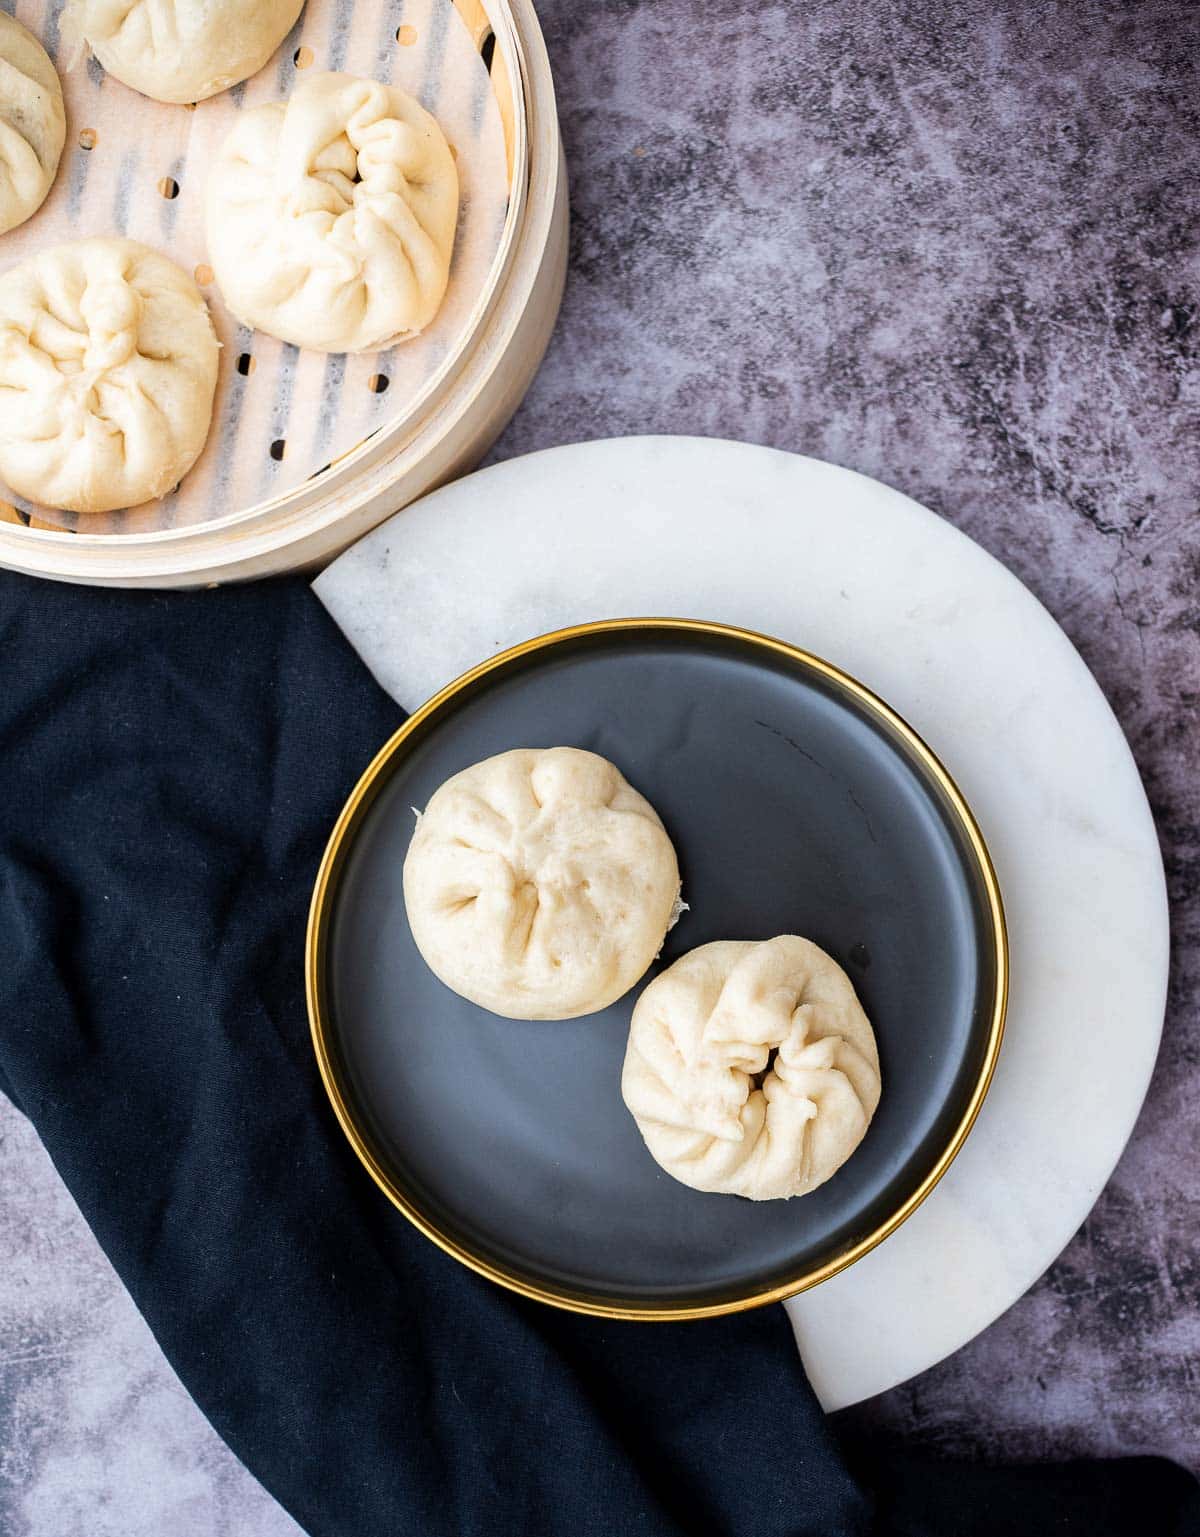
[[303, 57], [203, 275], [487, 50], [87, 138], [378, 383], [245, 365], [169, 187], [406, 36], [278, 449]]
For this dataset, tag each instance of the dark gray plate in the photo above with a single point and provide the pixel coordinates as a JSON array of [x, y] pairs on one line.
[[798, 803]]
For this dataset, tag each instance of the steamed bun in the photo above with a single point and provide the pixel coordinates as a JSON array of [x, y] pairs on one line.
[[331, 216], [108, 364], [751, 1068], [33, 124], [181, 50], [539, 884]]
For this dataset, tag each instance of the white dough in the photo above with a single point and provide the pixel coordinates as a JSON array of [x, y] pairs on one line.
[[705, 1028], [33, 124], [108, 364], [331, 216], [540, 884], [181, 50]]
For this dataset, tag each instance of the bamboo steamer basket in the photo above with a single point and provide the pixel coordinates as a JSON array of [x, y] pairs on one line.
[[441, 434]]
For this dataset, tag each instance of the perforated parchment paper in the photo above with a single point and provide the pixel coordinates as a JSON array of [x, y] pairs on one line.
[[136, 167]]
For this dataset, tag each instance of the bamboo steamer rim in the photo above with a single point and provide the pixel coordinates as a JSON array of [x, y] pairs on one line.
[[306, 517]]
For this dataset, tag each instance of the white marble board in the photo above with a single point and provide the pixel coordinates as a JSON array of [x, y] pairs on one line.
[[845, 567]]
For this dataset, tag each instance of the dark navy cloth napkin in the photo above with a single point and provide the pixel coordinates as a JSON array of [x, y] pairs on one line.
[[171, 765]]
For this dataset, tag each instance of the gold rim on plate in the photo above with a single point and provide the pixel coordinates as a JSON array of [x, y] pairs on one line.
[[364, 793]]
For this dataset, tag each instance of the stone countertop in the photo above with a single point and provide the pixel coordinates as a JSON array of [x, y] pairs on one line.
[[957, 250]]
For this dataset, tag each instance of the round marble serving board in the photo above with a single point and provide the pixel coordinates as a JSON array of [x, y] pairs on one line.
[[844, 567]]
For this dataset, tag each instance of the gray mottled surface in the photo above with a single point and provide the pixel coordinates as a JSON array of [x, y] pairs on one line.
[[954, 246]]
